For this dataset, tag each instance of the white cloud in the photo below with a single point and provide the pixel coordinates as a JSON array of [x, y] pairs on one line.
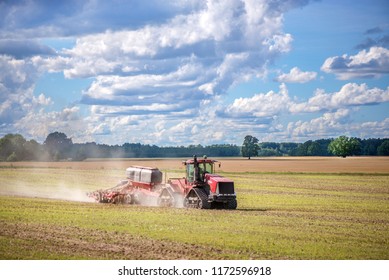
[[261, 105], [159, 74], [331, 125], [177, 65], [279, 43], [164, 63], [365, 64], [42, 100], [38, 123], [23, 112], [16, 89], [350, 94], [296, 76], [263, 114], [328, 125]]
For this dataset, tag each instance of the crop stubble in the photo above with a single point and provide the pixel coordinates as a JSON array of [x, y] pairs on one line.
[[283, 213]]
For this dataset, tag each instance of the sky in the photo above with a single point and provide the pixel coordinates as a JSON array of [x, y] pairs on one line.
[[174, 73]]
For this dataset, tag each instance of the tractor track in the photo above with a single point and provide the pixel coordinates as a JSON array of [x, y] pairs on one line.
[[82, 243]]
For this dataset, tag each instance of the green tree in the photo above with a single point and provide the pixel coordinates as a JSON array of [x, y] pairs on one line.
[[5, 148], [313, 149], [34, 151], [12, 157], [58, 145], [344, 146], [383, 149], [250, 146], [12, 147]]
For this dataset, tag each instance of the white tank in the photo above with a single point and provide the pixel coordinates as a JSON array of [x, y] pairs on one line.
[[145, 175]]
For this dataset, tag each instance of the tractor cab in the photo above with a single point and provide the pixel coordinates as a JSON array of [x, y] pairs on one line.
[[197, 168]]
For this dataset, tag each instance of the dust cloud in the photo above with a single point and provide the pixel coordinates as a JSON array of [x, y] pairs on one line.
[[64, 192], [59, 191], [33, 183]]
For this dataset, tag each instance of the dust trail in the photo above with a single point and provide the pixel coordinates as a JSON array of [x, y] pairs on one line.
[[60, 191], [65, 192]]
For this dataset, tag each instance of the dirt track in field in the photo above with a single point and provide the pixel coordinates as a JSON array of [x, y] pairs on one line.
[[75, 242], [271, 164]]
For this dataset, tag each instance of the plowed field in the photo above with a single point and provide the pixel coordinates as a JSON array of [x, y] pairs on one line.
[[272, 164], [288, 208]]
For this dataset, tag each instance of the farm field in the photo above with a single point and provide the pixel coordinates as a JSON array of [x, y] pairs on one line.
[[288, 208]]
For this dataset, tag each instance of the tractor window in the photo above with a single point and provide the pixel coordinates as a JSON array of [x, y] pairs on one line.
[[190, 172], [208, 167]]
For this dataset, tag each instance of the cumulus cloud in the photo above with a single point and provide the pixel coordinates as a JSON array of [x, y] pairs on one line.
[[179, 64], [262, 113], [333, 124], [365, 64], [24, 112], [265, 108], [162, 61], [325, 126], [159, 72], [16, 88], [260, 106], [67, 120], [296, 76], [350, 94]]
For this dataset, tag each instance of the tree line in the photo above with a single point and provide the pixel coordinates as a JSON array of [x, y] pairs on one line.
[[342, 146], [57, 146]]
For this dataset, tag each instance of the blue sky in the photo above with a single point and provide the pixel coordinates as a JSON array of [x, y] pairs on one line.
[[194, 72]]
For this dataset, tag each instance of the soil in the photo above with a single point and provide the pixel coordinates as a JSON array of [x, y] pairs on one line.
[[80, 243], [270, 164]]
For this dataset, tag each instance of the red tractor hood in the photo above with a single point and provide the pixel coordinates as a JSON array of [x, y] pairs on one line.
[[213, 181], [217, 178]]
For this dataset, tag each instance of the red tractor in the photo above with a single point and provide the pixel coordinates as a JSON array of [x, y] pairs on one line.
[[201, 188]]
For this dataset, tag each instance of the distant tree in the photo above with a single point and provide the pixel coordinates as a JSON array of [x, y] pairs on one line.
[[383, 149], [79, 152], [323, 143], [250, 146], [313, 149], [369, 147], [344, 146], [268, 153], [287, 148], [5, 148], [12, 157], [34, 151], [12, 147], [301, 149], [58, 145]]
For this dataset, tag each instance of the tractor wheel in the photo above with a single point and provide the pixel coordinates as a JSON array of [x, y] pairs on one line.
[[232, 204], [191, 199], [203, 200], [165, 199], [203, 204]]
